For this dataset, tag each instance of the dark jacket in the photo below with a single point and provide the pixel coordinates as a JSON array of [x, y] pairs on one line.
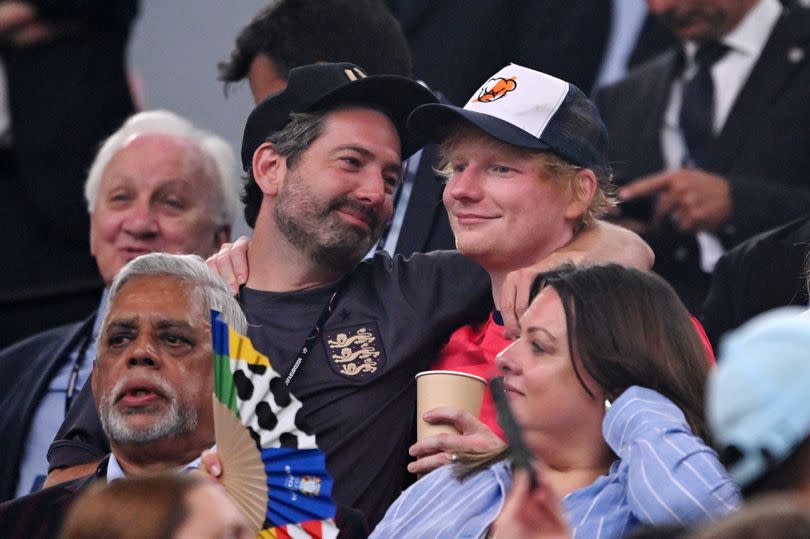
[[65, 96], [41, 514], [762, 149], [426, 227], [28, 368], [762, 273], [457, 44]]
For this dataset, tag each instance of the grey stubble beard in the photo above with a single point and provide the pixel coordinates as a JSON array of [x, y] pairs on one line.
[[175, 421]]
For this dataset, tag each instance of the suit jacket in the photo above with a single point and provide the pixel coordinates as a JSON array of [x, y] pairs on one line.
[[457, 44], [27, 369], [65, 96], [41, 514], [762, 149], [762, 273], [426, 227]]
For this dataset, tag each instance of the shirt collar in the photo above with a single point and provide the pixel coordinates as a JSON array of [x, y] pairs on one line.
[[114, 470], [751, 33]]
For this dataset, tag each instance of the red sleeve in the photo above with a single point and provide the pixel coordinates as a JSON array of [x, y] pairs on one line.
[[467, 352], [463, 353], [704, 339]]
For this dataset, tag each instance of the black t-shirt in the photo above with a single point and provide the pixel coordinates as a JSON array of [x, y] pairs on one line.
[[389, 321]]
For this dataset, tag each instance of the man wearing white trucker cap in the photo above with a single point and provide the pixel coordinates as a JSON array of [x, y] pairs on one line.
[[758, 403], [526, 168]]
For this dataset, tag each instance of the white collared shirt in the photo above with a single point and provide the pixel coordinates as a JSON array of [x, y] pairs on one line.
[[114, 470], [746, 42], [626, 22]]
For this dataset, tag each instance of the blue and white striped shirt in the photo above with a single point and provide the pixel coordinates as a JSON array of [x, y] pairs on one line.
[[664, 475]]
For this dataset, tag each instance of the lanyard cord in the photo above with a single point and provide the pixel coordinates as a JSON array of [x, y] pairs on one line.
[[74, 373], [306, 348]]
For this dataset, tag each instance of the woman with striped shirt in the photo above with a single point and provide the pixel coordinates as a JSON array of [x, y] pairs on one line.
[[606, 381]]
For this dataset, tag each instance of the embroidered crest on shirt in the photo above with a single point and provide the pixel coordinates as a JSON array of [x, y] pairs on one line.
[[356, 351]]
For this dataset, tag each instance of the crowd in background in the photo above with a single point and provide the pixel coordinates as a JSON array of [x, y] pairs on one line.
[[587, 198]]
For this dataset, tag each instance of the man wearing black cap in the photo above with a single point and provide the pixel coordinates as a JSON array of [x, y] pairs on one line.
[[348, 337]]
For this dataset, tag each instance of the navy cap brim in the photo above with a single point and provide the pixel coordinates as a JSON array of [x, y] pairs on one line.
[[430, 124], [396, 96]]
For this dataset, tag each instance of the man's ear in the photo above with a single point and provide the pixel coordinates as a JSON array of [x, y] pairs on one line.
[[583, 189], [269, 169]]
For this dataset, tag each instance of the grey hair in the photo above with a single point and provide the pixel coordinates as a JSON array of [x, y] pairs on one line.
[[290, 142], [208, 288], [220, 163]]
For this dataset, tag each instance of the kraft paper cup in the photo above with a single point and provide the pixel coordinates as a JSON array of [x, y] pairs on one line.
[[446, 388]]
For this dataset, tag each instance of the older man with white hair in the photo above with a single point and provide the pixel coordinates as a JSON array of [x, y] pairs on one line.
[[158, 184]]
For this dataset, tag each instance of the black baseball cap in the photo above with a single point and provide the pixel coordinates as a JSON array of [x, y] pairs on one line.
[[323, 86], [528, 109]]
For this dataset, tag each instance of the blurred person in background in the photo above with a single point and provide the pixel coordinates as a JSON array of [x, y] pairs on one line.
[[160, 507], [456, 43], [782, 516], [762, 273], [758, 404], [709, 139], [63, 90]]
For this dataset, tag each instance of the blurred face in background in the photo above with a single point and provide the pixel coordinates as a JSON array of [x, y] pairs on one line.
[[212, 515], [700, 20], [264, 78], [157, 194]]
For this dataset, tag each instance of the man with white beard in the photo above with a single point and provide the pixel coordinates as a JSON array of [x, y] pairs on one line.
[[152, 381]]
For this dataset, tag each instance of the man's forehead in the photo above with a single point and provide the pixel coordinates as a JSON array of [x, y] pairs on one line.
[[154, 320], [467, 137], [362, 126], [155, 297], [167, 159]]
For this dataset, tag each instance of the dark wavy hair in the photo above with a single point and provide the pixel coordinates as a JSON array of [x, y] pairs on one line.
[[628, 327], [625, 327], [293, 33]]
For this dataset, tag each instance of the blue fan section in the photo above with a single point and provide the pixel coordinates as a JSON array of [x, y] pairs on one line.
[[300, 488]]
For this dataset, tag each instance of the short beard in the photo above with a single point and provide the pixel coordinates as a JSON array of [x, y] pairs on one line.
[[336, 244], [175, 421]]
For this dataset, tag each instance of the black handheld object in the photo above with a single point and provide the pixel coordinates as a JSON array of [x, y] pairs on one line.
[[521, 456]]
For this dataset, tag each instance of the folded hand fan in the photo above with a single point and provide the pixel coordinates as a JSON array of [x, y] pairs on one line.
[[271, 465]]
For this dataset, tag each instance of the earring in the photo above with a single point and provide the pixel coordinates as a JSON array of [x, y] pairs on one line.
[[608, 404]]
